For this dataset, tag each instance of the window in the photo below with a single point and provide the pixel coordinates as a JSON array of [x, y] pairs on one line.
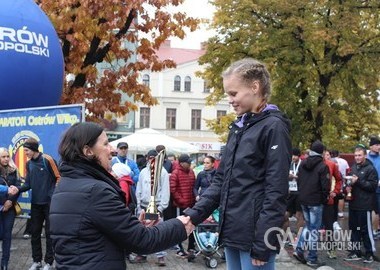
[[187, 84], [170, 118], [146, 80], [219, 114], [144, 117], [206, 88], [195, 119], [177, 83]]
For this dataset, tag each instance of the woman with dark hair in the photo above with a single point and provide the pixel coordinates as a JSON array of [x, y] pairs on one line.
[[9, 176], [204, 178], [101, 228]]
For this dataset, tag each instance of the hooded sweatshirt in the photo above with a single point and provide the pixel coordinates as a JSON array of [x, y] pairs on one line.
[[313, 181]]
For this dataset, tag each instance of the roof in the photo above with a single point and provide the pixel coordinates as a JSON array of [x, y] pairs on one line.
[[179, 56]]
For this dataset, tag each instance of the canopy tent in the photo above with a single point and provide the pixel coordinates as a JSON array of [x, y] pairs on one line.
[[146, 139]]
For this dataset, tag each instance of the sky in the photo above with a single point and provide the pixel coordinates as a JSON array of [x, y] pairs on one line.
[[197, 9]]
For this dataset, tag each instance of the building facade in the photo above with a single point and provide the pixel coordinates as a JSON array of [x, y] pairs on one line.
[[182, 109]]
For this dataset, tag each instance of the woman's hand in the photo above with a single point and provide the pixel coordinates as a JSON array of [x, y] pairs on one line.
[[257, 262], [12, 190], [147, 222], [188, 224]]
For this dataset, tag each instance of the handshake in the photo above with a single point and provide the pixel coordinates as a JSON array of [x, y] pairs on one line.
[[12, 190], [187, 223], [184, 219]]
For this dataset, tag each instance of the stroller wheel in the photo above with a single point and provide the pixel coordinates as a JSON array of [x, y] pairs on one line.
[[211, 262]]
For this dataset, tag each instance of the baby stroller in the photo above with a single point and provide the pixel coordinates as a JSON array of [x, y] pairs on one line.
[[206, 237]]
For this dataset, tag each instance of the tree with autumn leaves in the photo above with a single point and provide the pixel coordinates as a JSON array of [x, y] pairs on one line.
[[107, 43], [323, 56]]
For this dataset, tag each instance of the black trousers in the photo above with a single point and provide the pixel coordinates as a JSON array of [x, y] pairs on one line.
[[360, 224], [39, 214], [191, 243]]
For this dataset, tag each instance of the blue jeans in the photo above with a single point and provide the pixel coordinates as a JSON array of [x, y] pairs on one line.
[[241, 260], [208, 239], [7, 220], [313, 221]]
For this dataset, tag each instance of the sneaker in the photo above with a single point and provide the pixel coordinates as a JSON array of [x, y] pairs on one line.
[[336, 226], [315, 263], [299, 256], [340, 215], [36, 266], [352, 257], [161, 261], [139, 259], [26, 236], [368, 259], [48, 267], [331, 254]]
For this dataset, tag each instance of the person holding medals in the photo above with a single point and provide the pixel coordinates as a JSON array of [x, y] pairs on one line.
[[293, 204]]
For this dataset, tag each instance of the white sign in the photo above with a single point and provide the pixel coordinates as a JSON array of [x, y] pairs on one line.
[[207, 146]]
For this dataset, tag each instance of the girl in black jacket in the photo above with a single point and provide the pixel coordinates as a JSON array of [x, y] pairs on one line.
[[251, 182]]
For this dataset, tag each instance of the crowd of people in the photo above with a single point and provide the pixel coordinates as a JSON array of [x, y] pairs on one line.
[[322, 183], [259, 184]]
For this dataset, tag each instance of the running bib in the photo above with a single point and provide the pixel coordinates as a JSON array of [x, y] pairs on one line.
[[293, 185]]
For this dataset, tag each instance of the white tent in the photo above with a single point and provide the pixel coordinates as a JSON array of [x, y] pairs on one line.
[[146, 139]]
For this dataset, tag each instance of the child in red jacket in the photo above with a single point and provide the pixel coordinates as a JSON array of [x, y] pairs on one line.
[[122, 173]]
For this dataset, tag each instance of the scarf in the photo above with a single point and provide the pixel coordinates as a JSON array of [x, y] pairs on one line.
[[92, 169]]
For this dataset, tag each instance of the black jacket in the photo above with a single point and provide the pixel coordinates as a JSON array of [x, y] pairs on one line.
[[9, 178], [204, 179], [251, 184], [364, 189], [313, 181], [40, 178], [91, 226]]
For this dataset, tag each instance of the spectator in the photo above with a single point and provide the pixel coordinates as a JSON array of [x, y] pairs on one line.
[[344, 168], [9, 176], [204, 178], [374, 157], [122, 174], [330, 209], [182, 182], [167, 162], [363, 187], [250, 184], [40, 177], [101, 227], [122, 151], [293, 203], [313, 186], [143, 195]]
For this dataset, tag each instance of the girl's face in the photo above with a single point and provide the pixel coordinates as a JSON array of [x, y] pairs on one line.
[[208, 165], [241, 96], [102, 150], [327, 155], [4, 158]]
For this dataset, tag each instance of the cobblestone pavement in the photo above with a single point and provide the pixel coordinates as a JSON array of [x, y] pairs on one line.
[[21, 257]]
